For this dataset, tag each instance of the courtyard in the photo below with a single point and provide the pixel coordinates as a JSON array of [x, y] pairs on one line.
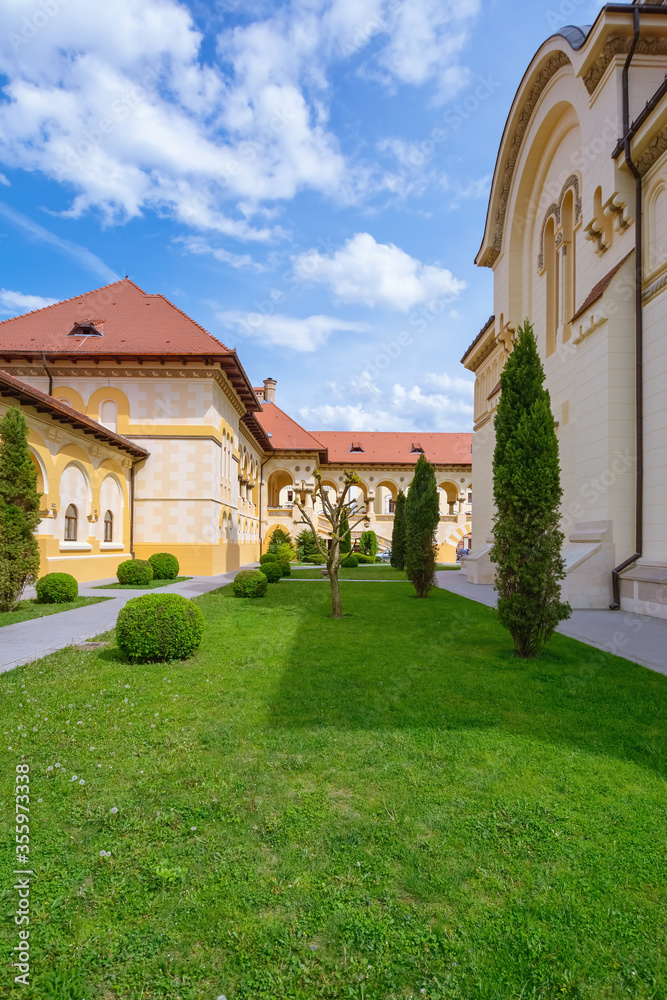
[[390, 805]]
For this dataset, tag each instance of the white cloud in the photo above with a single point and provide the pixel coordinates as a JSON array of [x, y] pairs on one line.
[[16, 302], [198, 245], [121, 103], [303, 335], [4, 181], [400, 408], [377, 274], [82, 255]]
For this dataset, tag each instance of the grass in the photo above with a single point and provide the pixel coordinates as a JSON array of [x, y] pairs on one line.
[[376, 571], [27, 610], [146, 586], [365, 808]]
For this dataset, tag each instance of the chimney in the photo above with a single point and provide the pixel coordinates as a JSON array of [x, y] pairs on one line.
[[269, 390]]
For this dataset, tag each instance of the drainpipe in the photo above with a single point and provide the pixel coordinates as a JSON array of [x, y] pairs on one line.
[[48, 373], [639, 328], [132, 511]]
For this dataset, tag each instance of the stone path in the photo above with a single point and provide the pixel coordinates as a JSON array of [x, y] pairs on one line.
[[28, 641], [635, 637]]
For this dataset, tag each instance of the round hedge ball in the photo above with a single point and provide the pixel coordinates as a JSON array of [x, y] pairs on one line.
[[268, 557], [56, 588], [272, 572], [285, 568], [165, 566], [159, 627], [350, 563], [250, 583], [135, 572]]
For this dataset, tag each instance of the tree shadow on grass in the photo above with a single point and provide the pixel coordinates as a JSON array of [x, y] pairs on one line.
[[446, 663]]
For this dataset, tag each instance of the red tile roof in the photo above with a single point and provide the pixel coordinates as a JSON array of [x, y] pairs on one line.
[[390, 448], [24, 393], [132, 324], [284, 433]]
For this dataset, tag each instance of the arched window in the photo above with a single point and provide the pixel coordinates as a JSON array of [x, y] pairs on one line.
[[108, 526], [71, 518], [109, 415], [568, 265], [551, 268]]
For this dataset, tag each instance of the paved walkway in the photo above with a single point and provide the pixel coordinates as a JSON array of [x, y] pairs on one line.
[[635, 637], [28, 641]]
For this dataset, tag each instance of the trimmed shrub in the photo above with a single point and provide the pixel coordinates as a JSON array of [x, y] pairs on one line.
[[306, 545], [285, 569], [268, 557], [136, 572], [56, 588], [398, 536], [278, 538], [379, 559], [250, 583], [363, 558], [351, 562], [286, 553], [272, 572], [165, 566], [368, 543], [159, 627], [19, 510]]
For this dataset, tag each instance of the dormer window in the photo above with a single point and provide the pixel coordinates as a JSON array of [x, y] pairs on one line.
[[416, 448], [85, 330], [356, 446]]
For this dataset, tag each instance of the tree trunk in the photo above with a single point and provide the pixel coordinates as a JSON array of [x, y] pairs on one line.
[[336, 611], [332, 567]]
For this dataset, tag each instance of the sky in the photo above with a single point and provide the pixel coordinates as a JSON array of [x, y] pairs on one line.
[[308, 179]]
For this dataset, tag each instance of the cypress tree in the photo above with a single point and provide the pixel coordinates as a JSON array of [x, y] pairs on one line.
[[398, 534], [527, 493], [345, 533], [19, 510], [422, 516]]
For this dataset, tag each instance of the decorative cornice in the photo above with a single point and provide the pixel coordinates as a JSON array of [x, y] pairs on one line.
[[557, 61], [68, 372], [620, 46], [655, 287], [656, 147]]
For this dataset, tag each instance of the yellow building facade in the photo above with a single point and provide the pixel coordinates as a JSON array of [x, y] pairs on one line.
[[174, 449], [576, 238]]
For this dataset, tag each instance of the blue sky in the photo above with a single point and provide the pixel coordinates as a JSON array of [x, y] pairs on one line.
[[308, 179]]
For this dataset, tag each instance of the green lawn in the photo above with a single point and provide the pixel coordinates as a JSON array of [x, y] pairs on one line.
[[146, 586], [369, 807], [377, 571], [28, 610]]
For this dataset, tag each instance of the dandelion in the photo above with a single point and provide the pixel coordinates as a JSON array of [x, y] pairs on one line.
[[125, 700], [34, 729], [79, 723], [99, 765], [74, 777], [103, 854], [193, 827], [81, 781], [50, 767], [114, 810], [127, 685], [57, 765], [40, 800]]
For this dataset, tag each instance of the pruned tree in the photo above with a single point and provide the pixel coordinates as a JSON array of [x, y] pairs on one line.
[[527, 492], [19, 510], [398, 533], [368, 543], [422, 516], [337, 514]]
